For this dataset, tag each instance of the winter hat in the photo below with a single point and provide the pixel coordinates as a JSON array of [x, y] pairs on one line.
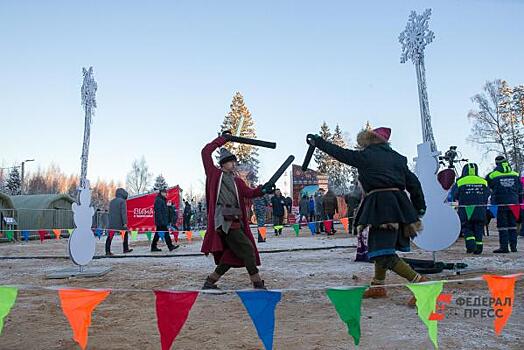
[[383, 133], [225, 156], [500, 159]]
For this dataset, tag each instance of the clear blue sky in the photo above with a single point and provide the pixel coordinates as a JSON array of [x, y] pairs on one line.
[[167, 71]]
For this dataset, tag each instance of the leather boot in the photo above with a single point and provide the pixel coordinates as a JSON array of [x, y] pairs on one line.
[[413, 301], [376, 291]]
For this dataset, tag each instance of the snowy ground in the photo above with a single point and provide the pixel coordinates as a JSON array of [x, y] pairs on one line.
[[304, 319]]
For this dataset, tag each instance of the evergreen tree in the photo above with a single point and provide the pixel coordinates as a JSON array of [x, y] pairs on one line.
[[160, 182], [14, 182], [247, 155], [340, 176], [322, 159]]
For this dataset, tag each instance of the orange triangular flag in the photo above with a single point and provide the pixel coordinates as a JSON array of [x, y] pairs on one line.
[[77, 305], [345, 223], [57, 233], [502, 290], [123, 234], [189, 235], [263, 231]]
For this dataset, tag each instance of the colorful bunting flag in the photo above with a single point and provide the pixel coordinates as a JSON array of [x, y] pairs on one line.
[[172, 310], [78, 305], [134, 235], [70, 231], [57, 233], [278, 227], [345, 223], [328, 225], [7, 301], [148, 235], [296, 228], [348, 303], [502, 290], [25, 235], [123, 234], [426, 295], [260, 306], [175, 236], [161, 235], [189, 235], [312, 227], [9, 234], [493, 209], [515, 209], [42, 234], [469, 210], [99, 232], [263, 231], [202, 234]]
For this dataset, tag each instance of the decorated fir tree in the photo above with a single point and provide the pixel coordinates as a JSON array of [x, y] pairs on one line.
[[14, 182], [322, 159], [160, 182]]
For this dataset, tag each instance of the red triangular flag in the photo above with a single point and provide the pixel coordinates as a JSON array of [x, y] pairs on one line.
[[42, 234], [175, 236], [172, 310], [77, 305], [328, 225], [111, 234], [515, 209]]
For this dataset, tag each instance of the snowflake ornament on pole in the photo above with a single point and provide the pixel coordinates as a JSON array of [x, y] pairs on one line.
[[88, 94]]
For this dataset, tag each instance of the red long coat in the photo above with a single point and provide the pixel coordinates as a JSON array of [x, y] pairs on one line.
[[212, 241]]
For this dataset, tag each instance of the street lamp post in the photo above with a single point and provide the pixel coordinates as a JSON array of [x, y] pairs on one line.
[[22, 172]]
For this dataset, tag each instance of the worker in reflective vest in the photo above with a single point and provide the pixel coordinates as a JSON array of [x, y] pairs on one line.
[[471, 192]]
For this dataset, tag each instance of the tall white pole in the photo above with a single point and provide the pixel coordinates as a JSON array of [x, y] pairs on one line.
[[88, 92]]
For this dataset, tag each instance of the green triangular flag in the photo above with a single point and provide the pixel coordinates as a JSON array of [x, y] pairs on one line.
[[9, 235], [70, 231], [7, 300], [148, 234], [134, 235], [348, 304], [469, 210], [296, 227], [202, 234], [426, 295]]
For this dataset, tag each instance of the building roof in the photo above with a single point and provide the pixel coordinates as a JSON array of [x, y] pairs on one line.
[[39, 201], [4, 197]]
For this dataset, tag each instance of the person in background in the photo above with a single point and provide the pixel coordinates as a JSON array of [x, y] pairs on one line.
[[311, 209], [303, 208], [118, 220], [289, 207], [260, 205], [173, 215], [278, 203], [162, 222], [471, 191], [330, 208], [319, 210], [353, 199], [506, 190], [187, 216]]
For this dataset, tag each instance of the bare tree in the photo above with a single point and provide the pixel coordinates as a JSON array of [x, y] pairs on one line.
[[139, 178]]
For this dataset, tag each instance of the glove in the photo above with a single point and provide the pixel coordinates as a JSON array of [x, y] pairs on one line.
[[268, 188], [226, 132], [311, 139]]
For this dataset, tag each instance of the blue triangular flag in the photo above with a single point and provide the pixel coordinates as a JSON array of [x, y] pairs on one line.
[[260, 306], [99, 232], [493, 209], [25, 235], [161, 234], [313, 227]]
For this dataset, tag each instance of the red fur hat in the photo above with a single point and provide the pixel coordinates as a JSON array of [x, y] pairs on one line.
[[383, 133]]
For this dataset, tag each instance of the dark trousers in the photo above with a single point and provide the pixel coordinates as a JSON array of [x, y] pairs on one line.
[[109, 239], [278, 221], [473, 232], [507, 226], [242, 247], [187, 222], [311, 216], [167, 237]]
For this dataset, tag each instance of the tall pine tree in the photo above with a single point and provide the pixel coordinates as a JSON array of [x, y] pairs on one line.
[[322, 159], [247, 155], [160, 182], [340, 176], [14, 182]]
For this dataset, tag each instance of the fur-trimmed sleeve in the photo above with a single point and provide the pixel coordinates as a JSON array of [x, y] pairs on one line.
[[346, 156]]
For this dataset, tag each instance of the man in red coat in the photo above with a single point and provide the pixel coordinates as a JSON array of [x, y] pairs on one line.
[[228, 236]]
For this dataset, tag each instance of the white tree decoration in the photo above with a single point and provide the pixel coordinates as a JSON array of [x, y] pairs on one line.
[[88, 94], [414, 40]]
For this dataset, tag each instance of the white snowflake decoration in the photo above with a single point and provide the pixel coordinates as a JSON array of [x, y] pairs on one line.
[[415, 37]]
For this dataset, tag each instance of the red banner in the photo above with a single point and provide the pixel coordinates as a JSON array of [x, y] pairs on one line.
[[140, 210]]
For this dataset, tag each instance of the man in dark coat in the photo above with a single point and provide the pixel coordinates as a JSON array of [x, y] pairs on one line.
[[389, 213], [330, 208], [506, 190], [118, 220], [162, 222], [319, 210], [303, 208], [289, 207], [278, 203], [228, 236], [187, 216], [471, 192]]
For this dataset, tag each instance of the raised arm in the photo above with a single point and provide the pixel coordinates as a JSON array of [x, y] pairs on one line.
[[207, 154], [346, 156], [248, 192]]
